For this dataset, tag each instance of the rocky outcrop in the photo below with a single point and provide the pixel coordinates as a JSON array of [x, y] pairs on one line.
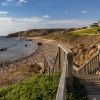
[[3, 49]]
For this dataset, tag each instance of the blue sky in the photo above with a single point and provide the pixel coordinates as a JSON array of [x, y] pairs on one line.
[[17, 15]]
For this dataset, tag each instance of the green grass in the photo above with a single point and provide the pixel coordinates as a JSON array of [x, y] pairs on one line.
[[91, 31]]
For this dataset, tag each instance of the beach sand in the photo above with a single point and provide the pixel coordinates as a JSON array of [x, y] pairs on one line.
[[15, 71]]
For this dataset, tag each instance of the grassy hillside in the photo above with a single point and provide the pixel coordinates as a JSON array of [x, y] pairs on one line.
[[82, 36], [91, 31]]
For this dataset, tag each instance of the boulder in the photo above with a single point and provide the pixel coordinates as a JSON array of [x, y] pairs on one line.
[[35, 68], [3, 49]]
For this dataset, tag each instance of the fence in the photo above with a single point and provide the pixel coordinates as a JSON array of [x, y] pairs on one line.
[[92, 66], [64, 62]]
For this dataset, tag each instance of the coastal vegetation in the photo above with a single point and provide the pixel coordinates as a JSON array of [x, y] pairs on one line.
[[41, 87], [90, 31], [37, 87]]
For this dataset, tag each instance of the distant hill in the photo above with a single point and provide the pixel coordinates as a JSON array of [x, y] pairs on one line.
[[40, 32]]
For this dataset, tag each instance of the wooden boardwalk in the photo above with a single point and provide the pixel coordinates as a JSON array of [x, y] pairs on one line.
[[88, 73]]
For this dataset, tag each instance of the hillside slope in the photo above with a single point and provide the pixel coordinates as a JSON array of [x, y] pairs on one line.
[[39, 32]]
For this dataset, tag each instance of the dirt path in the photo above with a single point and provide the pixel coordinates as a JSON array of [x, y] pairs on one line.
[[49, 41]]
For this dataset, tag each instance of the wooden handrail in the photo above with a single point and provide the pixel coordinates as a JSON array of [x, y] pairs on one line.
[[95, 56], [88, 60], [61, 93], [64, 48], [65, 59]]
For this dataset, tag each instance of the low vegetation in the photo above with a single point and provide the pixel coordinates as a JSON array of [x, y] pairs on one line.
[[75, 34], [40, 87], [91, 31]]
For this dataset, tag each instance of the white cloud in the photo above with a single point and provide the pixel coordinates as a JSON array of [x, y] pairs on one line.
[[9, 0], [27, 20], [84, 11], [69, 23], [3, 13], [22, 1], [46, 16], [10, 25]]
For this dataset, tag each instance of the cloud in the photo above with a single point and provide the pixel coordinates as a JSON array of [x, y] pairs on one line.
[[84, 11], [68, 23], [22, 1], [9, 0], [3, 13], [14, 2], [10, 25], [46, 16], [27, 20], [4, 4]]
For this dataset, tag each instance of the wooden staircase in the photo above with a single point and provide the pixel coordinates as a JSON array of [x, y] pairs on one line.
[[88, 73], [89, 76], [92, 83]]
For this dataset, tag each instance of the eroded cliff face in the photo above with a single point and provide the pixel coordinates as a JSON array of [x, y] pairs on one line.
[[83, 53]]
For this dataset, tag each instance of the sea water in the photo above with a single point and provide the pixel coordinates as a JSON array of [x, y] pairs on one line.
[[16, 48]]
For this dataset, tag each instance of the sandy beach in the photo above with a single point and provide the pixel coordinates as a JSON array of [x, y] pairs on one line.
[[18, 70]]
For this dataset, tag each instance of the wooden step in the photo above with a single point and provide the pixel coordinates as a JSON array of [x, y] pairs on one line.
[[92, 83]]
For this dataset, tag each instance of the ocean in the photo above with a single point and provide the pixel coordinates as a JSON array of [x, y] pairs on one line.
[[16, 48]]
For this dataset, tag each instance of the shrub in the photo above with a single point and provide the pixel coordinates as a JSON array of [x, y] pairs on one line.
[[38, 87]]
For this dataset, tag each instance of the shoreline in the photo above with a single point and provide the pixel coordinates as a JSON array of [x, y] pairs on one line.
[[17, 70], [7, 63], [23, 56]]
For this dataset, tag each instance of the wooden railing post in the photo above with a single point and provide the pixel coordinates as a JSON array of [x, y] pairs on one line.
[[57, 61], [99, 48], [99, 56], [69, 65], [59, 58]]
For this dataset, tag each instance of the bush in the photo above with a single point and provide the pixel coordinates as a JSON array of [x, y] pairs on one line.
[[38, 87], [41, 87]]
